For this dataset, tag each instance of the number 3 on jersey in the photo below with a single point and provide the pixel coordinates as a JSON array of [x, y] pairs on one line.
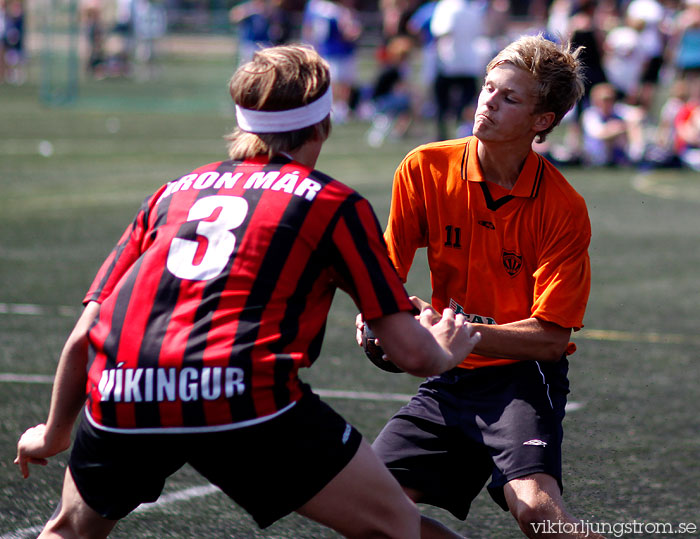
[[220, 239]]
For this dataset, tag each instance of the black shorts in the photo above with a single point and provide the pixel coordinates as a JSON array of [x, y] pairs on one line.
[[270, 469], [468, 425]]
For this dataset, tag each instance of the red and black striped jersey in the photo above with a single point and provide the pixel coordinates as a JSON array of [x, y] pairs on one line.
[[219, 290]]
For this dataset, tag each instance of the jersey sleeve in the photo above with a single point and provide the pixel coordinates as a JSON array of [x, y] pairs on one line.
[[124, 254], [563, 276], [365, 271], [405, 231]]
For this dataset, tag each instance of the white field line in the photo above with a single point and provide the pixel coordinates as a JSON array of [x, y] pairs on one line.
[[651, 184], [589, 334], [394, 397], [630, 336], [29, 309], [24, 533], [325, 393], [178, 496], [362, 395], [13, 378]]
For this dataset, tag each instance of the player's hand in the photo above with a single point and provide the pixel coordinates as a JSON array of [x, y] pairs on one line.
[[421, 306], [454, 334], [33, 448], [359, 326]]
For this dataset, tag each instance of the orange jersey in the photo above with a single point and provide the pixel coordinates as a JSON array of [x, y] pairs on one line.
[[498, 256]]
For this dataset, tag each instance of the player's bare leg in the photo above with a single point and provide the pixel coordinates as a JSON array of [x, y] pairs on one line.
[[364, 500], [536, 503], [73, 518], [429, 527], [434, 529]]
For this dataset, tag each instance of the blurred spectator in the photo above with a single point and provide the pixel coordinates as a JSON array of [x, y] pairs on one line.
[[584, 32], [95, 31], [120, 63], [649, 16], [578, 23], [333, 28], [661, 152], [13, 42], [281, 23], [395, 15], [687, 125], [2, 41], [259, 23], [150, 24], [624, 59], [466, 127], [665, 130], [612, 131], [391, 97], [498, 26], [458, 27], [686, 38], [559, 17], [418, 26]]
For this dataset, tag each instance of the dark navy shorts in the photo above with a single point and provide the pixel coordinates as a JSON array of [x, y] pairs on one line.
[[467, 425], [270, 469]]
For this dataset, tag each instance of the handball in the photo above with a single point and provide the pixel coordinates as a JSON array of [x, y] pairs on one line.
[[375, 352]]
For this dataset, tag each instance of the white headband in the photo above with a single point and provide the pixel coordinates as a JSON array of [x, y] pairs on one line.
[[279, 121]]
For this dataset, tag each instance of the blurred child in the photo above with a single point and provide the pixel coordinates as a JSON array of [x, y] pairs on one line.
[[662, 151], [13, 42], [391, 100], [687, 125], [612, 131], [96, 40], [334, 27], [253, 27]]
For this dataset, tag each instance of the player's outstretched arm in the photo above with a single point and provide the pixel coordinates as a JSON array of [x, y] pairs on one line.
[[46, 440], [425, 348]]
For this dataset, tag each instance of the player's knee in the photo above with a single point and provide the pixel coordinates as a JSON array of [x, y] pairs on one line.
[[385, 517]]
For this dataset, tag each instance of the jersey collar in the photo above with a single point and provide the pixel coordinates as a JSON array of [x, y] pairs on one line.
[[529, 180]]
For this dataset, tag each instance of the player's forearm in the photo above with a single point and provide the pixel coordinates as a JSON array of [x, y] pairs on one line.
[[529, 339], [409, 345], [68, 393], [425, 350], [424, 358]]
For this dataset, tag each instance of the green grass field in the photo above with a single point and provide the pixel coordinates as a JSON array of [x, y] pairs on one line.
[[632, 446]]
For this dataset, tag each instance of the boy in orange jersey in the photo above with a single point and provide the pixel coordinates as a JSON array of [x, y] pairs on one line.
[[507, 240]]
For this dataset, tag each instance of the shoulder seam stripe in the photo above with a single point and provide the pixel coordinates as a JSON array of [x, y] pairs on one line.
[[465, 157], [538, 177]]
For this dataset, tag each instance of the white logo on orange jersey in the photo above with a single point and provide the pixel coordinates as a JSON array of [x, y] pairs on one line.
[[472, 318]]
